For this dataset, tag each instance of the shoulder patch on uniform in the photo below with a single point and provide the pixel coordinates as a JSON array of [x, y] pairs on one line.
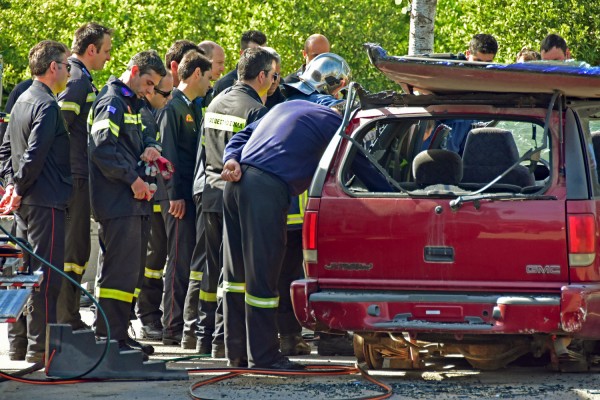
[[126, 92], [111, 109], [188, 118]]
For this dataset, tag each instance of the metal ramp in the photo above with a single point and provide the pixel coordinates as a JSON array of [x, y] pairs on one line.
[[71, 353]]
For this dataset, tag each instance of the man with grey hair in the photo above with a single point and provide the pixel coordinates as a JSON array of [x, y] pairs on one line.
[[120, 197], [38, 175]]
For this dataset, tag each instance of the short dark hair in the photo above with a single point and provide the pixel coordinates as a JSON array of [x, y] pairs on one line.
[[252, 36], [253, 61], [148, 61], [42, 54], [90, 33], [484, 44], [529, 54], [190, 61], [553, 40], [178, 50]]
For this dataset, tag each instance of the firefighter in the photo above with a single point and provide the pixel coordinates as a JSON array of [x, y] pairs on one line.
[[290, 338], [280, 155], [38, 175], [227, 114], [91, 50], [250, 39], [320, 83], [266, 163], [179, 124], [120, 198], [148, 302], [313, 46], [216, 55]]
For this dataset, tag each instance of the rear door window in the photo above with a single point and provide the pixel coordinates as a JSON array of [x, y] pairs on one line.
[[451, 156]]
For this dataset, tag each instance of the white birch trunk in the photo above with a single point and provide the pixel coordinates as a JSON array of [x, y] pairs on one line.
[[422, 18]]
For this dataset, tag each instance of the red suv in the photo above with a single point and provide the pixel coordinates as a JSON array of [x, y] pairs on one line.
[[485, 244]]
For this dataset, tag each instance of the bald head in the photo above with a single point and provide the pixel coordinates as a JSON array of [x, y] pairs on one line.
[[316, 44], [216, 55]]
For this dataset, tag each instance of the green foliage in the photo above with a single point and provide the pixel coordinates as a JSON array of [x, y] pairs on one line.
[[143, 24], [519, 23]]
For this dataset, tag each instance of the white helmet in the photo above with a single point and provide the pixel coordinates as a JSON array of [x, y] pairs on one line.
[[323, 74]]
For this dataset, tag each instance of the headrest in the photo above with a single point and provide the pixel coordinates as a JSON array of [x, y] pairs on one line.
[[490, 146], [433, 167]]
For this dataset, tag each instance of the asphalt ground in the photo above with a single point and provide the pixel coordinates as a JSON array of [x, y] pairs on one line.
[[451, 378]]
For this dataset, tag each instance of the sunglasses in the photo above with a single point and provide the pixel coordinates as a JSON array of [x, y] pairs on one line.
[[163, 93], [65, 64]]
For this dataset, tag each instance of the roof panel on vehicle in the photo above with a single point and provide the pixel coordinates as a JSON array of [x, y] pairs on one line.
[[456, 76]]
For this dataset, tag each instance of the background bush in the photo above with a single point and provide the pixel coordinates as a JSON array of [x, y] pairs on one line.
[[144, 24]]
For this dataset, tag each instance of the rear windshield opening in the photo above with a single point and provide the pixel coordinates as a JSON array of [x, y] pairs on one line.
[[448, 157]]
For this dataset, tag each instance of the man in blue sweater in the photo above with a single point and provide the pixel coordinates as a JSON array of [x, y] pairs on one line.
[[266, 163]]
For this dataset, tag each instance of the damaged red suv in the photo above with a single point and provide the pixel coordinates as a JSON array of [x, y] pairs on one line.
[[486, 243]]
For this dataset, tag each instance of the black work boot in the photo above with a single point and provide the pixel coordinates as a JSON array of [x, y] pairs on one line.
[[124, 346], [152, 331]]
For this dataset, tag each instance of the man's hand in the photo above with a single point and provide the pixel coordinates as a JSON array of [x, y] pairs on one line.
[[150, 154], [11, 201], [177, 208], [232, 172], [140, 190]]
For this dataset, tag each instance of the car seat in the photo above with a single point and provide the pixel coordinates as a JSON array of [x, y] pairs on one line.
[[437, 167], [488, 153]]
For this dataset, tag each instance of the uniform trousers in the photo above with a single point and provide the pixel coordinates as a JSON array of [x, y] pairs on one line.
[[254, 240], [44, 229], [197, 266], [77, 251], [123, 242], [210, 281], [181, 240], [150, 297]]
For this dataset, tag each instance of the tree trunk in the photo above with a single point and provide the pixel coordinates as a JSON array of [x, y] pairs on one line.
[[422, 18]]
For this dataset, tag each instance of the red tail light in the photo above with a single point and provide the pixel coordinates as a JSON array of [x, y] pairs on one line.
[[582, 239], [309, 236]]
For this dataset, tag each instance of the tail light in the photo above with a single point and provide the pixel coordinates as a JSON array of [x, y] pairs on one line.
[[582, 239], [309, 236]]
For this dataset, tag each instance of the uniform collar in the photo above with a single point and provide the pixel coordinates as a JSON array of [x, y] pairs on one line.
[[42, 86], [82, 67], [249, 90], [178, 93], [122, 88]]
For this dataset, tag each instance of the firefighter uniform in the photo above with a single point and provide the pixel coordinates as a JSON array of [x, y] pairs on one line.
[[279, 156], [227, 114], [115, 145], [198, 264], [75, 102], [150, 297], [179, 123], [39, 169]]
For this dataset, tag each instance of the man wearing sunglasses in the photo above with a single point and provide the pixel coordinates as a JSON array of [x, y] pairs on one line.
[[227, 114], [38, 175], [151, 293], [91, 50]]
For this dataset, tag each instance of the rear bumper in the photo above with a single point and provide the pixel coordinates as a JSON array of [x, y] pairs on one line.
[[574, 311]]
